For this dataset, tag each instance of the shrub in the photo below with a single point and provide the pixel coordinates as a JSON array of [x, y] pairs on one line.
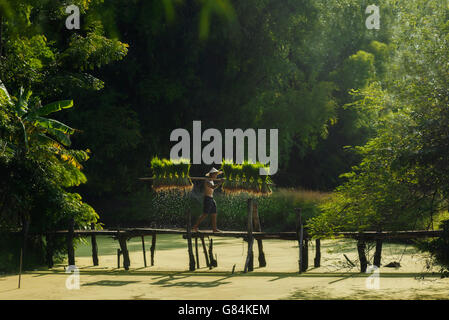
[[439, 247]]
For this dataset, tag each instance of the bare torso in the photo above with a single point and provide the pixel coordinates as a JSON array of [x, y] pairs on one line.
[[209, 188], [210, 185]]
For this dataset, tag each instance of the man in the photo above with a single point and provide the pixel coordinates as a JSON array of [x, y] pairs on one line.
[[209, 205]]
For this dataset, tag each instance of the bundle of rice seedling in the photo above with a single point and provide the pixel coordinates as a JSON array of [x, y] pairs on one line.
[[158, 173], [247, 171], [232, 175], [245, 178], [181, 171], [265, 182], [254, 183], [171, 175]]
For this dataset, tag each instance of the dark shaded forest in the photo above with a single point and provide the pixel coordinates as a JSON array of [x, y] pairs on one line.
[[360, 111]]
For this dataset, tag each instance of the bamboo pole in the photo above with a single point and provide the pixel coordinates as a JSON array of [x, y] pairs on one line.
[[378, 253], [20, 266], [258, 228], [196, 253], [300, 235], [305, 254], [70, 248], [153, 247], [143, 251], [25, 229], [361, 245], [213, 262], [205, 251], [249, 264], [317, 261], [189, 243], [195, 178], [94, 248], [50, 245], [124, 251]]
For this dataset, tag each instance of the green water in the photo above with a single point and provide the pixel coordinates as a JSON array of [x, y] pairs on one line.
[[108, 246]]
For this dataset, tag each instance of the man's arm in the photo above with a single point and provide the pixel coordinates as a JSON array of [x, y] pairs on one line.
[[212, 185]]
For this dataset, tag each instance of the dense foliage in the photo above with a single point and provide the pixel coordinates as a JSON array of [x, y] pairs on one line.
[[138, 69], [402, 180]]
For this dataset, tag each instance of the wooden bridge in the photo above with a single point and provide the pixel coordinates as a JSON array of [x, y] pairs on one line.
[[253, 233]]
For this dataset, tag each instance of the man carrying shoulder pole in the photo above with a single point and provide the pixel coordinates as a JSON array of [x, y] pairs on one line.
[[209, 204]]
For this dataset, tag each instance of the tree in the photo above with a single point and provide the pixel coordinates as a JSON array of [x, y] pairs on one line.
[[37, 168], [402, 181]]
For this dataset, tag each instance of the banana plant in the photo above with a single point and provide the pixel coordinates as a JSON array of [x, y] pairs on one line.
[[32, 116]]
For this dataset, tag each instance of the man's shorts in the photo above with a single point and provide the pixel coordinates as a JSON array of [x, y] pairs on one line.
[[209, 205]]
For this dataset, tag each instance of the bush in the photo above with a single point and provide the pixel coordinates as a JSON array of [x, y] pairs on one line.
[[439, 247]]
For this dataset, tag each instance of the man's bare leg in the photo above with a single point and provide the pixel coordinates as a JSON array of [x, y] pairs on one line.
[[214, 222], [197, 224]]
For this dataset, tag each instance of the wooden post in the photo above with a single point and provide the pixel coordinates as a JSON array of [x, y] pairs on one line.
[[25, 229], [144, 253], [258, 227], [50, 246], [362, 256], [305, 254], [153, 248], [317, 261], [213, 262], [70, 249], [93, 239], [378, 253], [299, 234], [196, 253], [124, 251], [205, 251], [189, 243], [249, 264]]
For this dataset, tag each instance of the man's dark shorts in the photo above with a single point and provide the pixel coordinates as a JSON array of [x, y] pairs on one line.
[[209, 205]]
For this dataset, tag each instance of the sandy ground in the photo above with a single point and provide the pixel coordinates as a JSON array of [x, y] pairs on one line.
[[168, 279]]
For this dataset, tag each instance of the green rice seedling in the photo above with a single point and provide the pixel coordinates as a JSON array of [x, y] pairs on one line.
[[247, 171], [169, 172], [256, 181], [157, 166], [238, 178], [171, 175], [266, 181], [228, 172], [182, 170]]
